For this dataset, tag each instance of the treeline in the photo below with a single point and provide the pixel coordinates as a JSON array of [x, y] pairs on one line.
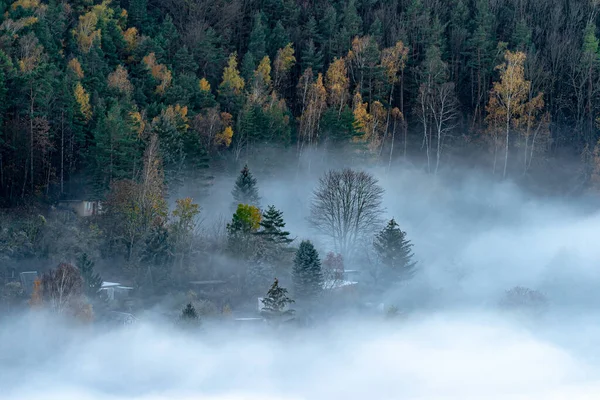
[[87, 86], [161, 253]]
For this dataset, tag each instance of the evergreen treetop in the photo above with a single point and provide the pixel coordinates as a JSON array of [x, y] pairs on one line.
[[395, 251], [92, 280], [189, 314], [306, 273], [245, 190], [273, 227], [276, 300]]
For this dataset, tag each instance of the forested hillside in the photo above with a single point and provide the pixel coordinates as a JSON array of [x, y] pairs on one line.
[[86, 87]]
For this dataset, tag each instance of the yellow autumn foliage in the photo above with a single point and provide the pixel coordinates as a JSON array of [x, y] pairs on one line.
[[86, 32], [83, 100], [285, 59], [75, 66], [36, 296], [175, 116], [263, 71], [337, 83], [159, 72], [119, 80], [224, 138], [25, 4], [393, 59], [138, 121], [231, 76], [132, 38], [204, 85]]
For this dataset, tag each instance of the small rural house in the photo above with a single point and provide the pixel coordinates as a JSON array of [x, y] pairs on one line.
[[115, 291], [27, 281], [82, 208]]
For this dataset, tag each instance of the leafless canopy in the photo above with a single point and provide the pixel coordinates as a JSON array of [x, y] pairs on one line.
[[346, 205], [62, 287]]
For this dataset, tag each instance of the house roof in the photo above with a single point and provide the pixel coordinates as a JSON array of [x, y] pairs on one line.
[[335, 284], [213, 282]]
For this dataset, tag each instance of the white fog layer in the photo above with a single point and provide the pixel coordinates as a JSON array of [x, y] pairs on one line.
[[474, 240], [440, 356]]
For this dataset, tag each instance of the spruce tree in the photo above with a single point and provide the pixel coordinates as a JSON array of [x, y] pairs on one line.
[[91, 280], [245, 190], [257, 45], [278, 39], [306, 273], [276, 301], [311, 57], [394, 252], [272, 225], [189, 314]]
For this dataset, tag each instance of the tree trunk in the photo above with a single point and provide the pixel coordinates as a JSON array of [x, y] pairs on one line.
[[62, 152], [31, 137], [507, 137], [392, 145]]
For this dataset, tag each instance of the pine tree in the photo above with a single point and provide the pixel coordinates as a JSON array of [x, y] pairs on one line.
[[394, 252], [183, 61], [189, 314], [91, 280], [245, 190], [278, 39], [273, 227], [257, 41], [276, 301], [311, 57], [306, 273]]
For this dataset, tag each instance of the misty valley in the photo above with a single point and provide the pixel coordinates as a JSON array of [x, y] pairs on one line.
[[283, 199]]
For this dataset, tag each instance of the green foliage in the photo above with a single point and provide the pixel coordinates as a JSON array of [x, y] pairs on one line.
[[311, 57], [306, 273], [189, 314], [394, 252], [257, 41], [338, 128], [246, 219], [272, 225], [92, 281], [245, 190], [276, 301], [71, 135]]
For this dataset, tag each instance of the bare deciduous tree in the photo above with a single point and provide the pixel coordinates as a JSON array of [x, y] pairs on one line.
[[63, 288], [346, 206]]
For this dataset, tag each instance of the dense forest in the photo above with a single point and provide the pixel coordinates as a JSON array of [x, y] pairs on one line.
[[125, 101], [85, 87]]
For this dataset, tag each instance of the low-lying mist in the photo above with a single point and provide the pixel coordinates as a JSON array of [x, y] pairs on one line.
[[435, 356], [474, 239]]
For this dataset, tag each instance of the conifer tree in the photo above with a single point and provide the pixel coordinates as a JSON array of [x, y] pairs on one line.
[[91, 280], [257, 41], [245, 190], [276, 301], [273, 227], [189, 314], [306, 273], [244, 223], [311, 57], [394, 252]]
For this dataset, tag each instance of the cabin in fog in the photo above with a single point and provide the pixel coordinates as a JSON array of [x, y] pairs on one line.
[[115, 291], [27, 281], [83, 208]]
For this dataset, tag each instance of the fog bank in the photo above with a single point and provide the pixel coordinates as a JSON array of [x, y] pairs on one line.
[[436, 356]]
